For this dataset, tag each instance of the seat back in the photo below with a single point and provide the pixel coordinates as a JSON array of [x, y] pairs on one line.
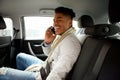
[[5, 43], [110, 69], [90, 51]]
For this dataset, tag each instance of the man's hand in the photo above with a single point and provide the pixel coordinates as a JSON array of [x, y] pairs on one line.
[[49, 36]]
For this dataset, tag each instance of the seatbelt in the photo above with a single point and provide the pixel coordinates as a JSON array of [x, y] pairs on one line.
[[98, 64]]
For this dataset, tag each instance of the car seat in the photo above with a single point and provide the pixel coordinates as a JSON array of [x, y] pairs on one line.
[[5, 42]]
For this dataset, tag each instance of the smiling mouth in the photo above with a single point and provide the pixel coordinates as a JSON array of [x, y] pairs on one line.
[[57, 28]]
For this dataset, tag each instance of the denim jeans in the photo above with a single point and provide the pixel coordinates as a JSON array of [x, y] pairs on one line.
[[24, 60], [14, 74]]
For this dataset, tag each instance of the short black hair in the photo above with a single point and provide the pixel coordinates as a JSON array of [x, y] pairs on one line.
[[65, 11]]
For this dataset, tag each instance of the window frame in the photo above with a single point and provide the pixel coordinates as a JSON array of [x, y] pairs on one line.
[[24, 31]]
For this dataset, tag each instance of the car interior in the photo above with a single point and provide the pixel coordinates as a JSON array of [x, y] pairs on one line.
[[97, 25]]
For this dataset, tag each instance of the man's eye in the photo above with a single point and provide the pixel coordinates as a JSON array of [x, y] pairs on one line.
[[59, 20]]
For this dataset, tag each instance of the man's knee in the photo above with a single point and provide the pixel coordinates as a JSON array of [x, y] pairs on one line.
[[19, 56]]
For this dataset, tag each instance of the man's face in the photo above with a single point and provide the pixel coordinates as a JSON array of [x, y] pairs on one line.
[[61, 23]]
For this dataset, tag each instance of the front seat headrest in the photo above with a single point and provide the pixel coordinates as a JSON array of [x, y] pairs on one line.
[[2, 23], [85, 21], [113, 11], [102, 30]]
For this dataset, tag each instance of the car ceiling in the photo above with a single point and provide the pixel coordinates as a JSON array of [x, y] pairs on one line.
[[95, 8]]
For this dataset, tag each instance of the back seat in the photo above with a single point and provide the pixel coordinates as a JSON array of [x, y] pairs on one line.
[[87, 67]]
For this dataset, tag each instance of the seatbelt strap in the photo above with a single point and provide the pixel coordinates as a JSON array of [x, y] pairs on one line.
[[98, 64], [100, 60]]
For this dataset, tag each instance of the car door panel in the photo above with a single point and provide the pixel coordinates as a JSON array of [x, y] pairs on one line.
[[33, 47]]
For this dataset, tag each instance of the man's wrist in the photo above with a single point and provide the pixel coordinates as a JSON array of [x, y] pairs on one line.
[[46, 44]]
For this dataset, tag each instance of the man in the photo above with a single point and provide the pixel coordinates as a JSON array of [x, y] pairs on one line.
[[62, 48]]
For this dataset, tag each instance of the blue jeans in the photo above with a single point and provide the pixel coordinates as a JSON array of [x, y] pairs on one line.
[[14, 74], [24, 60]]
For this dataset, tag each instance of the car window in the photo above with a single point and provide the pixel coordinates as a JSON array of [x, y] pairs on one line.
[[35, 27], [9, 28]]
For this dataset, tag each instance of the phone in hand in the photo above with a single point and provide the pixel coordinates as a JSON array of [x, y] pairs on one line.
[[52, 29]]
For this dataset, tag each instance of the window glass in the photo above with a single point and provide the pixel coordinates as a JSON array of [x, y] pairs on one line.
[[9, 28], [35, 27]]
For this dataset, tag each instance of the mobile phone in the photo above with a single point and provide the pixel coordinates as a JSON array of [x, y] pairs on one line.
[[53, 30]]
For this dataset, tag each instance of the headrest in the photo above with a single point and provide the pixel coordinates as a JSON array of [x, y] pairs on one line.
[[85, 21], [102, 30], [2, 23], [114, 13]]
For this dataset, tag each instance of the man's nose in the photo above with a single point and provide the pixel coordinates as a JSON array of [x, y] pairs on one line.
[[55, 23]]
